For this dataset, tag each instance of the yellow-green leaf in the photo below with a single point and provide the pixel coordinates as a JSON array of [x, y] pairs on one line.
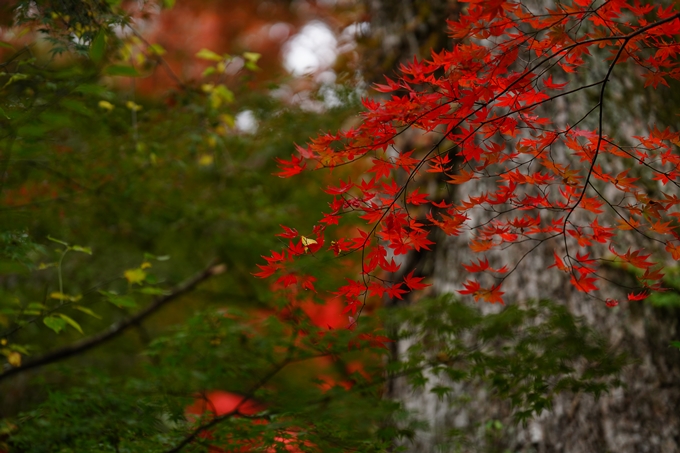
[[69, 320], [209, 55], [123, 301], [157, 49], [62, 296], [14, 359], [251, 60], [50, 238], [205, 160], [154, 291], [54, 323], [135, 276], [78, 248], [87, 311], [133, 106], [224, 93], [15, 78], [106, 105], [252, 56]]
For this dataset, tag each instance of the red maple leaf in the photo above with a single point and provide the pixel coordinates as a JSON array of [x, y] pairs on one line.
[[639, 296], [395, 291], [414, 283], [290, 167]]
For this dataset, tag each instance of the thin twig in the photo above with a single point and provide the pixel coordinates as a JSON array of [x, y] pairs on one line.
[[114, 329]]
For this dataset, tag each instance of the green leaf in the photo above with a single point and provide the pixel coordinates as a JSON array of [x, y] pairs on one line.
[[22, 349], [79, 248], [6, 45], [149, 257], [64, 297], [95, 90], [76, 106], [71, 322], [251, 60], [15, 78], [8, 267], [153, 291], [55, 120], [118, 300], [55, 323], [251, 66], [676, 344], [87, 311], [32, 131], [209, 55], [123, 301], [122, 71], [49, 238], [98, 47]]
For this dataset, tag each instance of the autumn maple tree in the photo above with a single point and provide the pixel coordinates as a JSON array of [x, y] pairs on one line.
[[526, 176], [155, 188]]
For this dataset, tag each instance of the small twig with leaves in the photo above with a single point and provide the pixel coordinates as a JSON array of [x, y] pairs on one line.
[[117, 328]]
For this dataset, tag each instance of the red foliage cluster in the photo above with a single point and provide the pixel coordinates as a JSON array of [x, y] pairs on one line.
[[527, 177], [215, 404], [220, 403]]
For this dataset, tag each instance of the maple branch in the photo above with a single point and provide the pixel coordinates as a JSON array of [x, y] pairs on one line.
[[641, 161], [428, 155], [527, 253], [600, 104], [115, 329], [476, 106], [633, 227]]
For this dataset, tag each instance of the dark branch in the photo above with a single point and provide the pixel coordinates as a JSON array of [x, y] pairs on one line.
[[117, 328]]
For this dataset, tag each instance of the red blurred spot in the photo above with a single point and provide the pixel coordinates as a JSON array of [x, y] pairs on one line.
[[327, 316], [221, 403]]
